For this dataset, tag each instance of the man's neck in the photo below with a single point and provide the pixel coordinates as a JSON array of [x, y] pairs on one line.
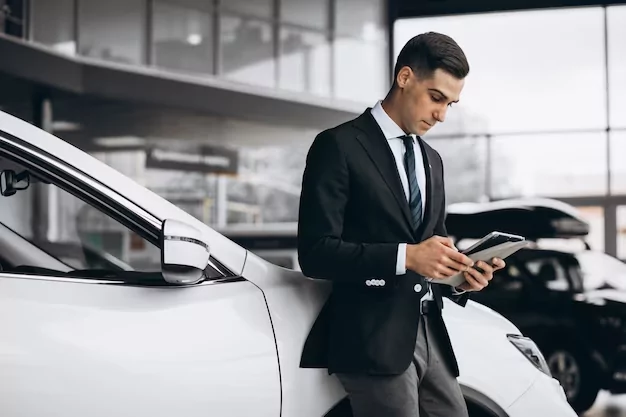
[[388, 105]]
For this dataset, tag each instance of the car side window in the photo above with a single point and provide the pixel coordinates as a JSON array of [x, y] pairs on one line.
[[508, 279], [69, 230], [549, 272], [47, 230]]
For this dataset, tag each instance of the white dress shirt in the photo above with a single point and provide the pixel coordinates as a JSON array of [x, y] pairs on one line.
[[392, 133]]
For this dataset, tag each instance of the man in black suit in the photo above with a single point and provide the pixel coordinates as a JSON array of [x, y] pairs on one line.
[[372, 213]]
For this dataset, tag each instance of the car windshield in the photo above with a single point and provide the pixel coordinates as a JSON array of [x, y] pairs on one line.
[[602, 270]]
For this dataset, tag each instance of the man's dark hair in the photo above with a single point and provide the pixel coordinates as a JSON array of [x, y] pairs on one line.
[[430, 51]]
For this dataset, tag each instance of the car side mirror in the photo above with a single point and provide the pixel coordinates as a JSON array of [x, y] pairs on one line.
[[10, 182], [184, 255]]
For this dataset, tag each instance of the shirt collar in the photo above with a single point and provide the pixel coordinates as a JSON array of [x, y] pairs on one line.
[[390, 129]]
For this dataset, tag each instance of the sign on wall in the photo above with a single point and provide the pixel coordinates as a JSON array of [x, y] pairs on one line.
[[209, 159]]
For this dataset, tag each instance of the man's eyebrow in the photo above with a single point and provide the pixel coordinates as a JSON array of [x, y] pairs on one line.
[[442, 94]]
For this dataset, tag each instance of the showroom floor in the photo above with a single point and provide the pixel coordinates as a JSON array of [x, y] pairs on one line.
[[608, 405]]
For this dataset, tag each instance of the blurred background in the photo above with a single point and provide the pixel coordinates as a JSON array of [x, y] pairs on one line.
[[213, 103]]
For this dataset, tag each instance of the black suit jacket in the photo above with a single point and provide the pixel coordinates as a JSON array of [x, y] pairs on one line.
[[353, 214]]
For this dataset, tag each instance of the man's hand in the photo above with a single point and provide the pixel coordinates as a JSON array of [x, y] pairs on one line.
[[436, 258], [477, 280]]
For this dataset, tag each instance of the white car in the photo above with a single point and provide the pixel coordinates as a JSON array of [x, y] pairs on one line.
[[199, 326]]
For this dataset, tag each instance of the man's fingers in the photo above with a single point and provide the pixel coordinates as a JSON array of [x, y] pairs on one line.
[[498, 263], [444, 272], [458, 257], [485, 267], [446, 241], [481, 277], [457, 266], [475, 279]]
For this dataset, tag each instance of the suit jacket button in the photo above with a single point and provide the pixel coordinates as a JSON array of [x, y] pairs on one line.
[[382, 282], [368, 283], [417, 288]]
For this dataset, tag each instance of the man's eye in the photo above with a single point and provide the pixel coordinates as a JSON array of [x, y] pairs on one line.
[[436, 99]]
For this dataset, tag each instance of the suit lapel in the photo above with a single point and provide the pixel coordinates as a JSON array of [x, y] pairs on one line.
[[376, 146]]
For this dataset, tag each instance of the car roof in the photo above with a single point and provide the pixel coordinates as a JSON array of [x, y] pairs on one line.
[[533, 218]]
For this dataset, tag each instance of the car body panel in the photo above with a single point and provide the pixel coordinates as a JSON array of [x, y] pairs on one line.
[[486, 358], [545, 397], [85, 348], [294, 303]]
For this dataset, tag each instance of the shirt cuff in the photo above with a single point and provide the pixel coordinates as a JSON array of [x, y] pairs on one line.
[[455, 291], [401, 259]]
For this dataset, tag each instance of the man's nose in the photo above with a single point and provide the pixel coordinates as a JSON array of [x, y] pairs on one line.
[[440, 114]]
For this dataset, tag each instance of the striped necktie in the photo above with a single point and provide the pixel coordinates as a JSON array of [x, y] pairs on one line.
[[415, 197]]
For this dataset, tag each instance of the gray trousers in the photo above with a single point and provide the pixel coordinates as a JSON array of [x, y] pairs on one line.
[[426, 389]]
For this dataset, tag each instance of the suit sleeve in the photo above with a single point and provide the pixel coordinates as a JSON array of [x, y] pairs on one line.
[[440, 230], [322, 252]]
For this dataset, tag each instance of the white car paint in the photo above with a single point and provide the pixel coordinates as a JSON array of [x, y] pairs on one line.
[[76, 347], [86, 349]]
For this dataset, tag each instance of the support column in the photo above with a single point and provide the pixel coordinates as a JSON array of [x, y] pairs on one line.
[[221, 202], [44, 220]]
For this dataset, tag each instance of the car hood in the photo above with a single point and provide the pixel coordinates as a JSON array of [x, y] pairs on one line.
[[476, 314]]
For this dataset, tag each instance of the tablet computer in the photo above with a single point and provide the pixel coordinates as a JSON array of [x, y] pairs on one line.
[[494, 245], [491, 240]]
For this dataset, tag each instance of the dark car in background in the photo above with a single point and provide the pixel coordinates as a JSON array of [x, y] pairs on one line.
[[571, 302]]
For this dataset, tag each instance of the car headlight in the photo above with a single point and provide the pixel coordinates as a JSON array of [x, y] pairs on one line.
[[530, 350]]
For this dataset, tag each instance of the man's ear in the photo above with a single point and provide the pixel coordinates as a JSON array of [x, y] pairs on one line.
[[404, 75]]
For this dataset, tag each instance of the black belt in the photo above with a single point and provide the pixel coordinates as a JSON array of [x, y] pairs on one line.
[[428, 307]]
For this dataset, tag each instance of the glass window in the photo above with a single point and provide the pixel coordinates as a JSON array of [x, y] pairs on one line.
[[549, 78], [53, 24], [360, 70], [258, 8], [616, 27], [307, 13], [618, 162], [113, 30], [304, 61], [555, 165], [183, 37], [247, 50], [621, 233], [363, 19], [69, 230], [465, 178]]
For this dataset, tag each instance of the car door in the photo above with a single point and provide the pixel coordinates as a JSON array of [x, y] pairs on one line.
[[79, 339]]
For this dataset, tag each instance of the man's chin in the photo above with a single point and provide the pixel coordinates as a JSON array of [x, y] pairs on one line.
[[422, 130]]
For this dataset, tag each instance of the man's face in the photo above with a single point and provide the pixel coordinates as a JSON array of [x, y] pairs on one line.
[[424, 102]]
